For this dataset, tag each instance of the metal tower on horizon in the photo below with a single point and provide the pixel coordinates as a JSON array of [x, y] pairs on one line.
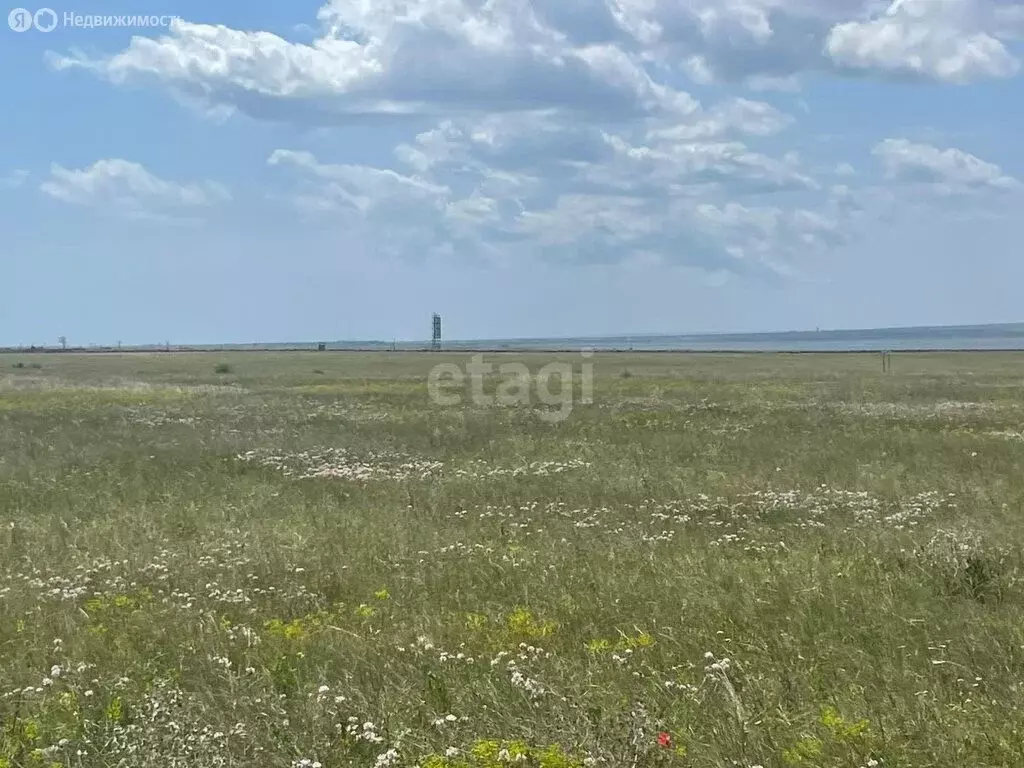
[[435, 342]]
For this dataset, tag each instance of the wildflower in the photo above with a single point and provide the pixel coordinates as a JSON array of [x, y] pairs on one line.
[[665, 739]]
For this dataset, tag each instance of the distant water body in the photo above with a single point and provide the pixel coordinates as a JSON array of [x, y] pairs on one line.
[[937, 338], [924, 338]]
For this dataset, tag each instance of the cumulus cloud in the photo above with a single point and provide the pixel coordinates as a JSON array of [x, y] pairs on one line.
[[949, 40], [561, 128], [767, 234], [127, 188], [947, 171], [754, 118], [674, 167], [611, 58], [573, 192], [394, 57], [769, 43], [361, 187], [688, 155]]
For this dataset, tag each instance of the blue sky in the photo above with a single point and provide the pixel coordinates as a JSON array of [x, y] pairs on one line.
[[275, 172]]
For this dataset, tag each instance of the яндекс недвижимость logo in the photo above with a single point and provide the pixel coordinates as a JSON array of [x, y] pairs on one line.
[[22, 19], [47, 19]]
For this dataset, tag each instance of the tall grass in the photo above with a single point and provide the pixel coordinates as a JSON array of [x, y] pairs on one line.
[[723, 561]]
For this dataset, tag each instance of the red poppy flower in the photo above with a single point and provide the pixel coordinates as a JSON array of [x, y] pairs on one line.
[[665, 739]]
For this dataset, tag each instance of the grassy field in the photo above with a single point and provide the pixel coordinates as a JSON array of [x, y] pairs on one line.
[[259, 559]]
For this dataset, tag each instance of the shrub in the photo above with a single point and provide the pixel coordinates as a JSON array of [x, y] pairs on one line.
[[222, 368]]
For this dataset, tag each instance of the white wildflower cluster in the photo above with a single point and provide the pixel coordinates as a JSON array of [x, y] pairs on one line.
[[623, 658], [325, 696], [533, 688], [243, 634], [340, 464], [481, 469], [718, 666], [365, 731], [459, 656], [448, 720], [156, 418], [505, 756], [424, 646], [527, 651], [742, 522], [169, 731], [943, 410], [687, 688], [1006, 434], [310, 410]]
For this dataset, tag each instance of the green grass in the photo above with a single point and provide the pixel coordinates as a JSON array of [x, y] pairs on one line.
[[778, 560]]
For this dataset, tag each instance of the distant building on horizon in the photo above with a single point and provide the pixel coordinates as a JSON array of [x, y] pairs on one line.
[[435, 339]]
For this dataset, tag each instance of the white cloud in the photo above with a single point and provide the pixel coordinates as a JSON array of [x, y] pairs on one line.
[[668, 167], [360, 187], [947, 171], [536, 185], [764, 42], [769, 235], [519, 153], [755, 118], [394, 56], [606, 58], [949, 40], [382, 209], [561, 127], [769, 43], [127, 188]]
